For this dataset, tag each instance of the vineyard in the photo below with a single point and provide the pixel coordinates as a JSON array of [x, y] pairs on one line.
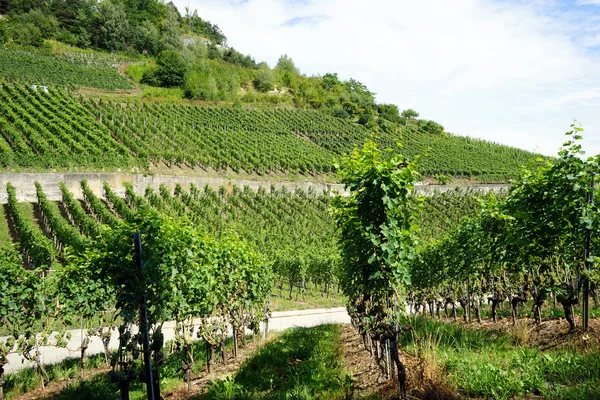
[[214, 259], [52, 131], [510, 250], [42, 130], [61, 70], [536, 244], [64, 249]]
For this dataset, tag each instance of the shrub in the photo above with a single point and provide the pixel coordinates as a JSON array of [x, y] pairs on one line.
[[27, 35], [431, 127], [264, 80]]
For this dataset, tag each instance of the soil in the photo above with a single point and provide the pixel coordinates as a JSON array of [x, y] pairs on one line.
[[424, 378]]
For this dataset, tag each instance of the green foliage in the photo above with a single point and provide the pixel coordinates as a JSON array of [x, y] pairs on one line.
[[46, 24], [431, 127], [3, 32], [53, 130], [204, 28], [410, 114], [61, 70], [303, 363], [486, 364], [37, 249], [286, 63], [377, 228], [113, 31], [264, 80], [147, 39], [443, 179], [170, 70], [390, 112], [529, 243], [26, 35], [59, 130], [201, 87]]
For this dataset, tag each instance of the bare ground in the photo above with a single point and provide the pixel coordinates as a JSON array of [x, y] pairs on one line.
[[425, 379]]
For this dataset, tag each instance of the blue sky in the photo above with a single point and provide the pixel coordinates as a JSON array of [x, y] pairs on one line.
[[514, 72]]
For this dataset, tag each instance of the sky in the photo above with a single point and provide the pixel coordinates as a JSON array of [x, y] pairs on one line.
[[510, 71]]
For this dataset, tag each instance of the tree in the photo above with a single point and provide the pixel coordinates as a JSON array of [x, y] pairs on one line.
[[431, 127], [147, 39], [112, 26], [27, 35], [264, 80], [410, 114], [170, 30], [287, 64], [48, 25], [171, 68], [390, 112], [330, 81]]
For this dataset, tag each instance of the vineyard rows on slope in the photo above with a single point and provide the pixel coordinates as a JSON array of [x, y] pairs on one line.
[[294, 230], [58, 130], [60, 70]]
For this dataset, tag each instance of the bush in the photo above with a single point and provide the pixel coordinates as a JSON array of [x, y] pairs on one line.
[[431, 127], [27, 35], [367, 120], [67, 37], [199, 87], [169, 72], [150, 77], [340, 113], [264, 80]]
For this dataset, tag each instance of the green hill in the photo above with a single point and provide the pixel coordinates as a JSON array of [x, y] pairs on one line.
[[110, 67], [56, 130]]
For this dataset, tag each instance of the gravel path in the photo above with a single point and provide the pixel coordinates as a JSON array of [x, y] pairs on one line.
[[279, 321]]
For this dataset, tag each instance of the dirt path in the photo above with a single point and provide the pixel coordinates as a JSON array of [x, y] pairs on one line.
[[425, 379]]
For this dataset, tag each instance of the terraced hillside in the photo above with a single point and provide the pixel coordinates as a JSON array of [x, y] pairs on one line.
[[42, 130]]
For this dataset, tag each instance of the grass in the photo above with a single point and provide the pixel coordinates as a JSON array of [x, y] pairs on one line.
[[99, 386], [160, 92], [486, 364], [28, 379], [312, 299], [5, 237], [302, 363]]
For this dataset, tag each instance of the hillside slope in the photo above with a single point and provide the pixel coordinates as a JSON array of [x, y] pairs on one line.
[[58, 130]]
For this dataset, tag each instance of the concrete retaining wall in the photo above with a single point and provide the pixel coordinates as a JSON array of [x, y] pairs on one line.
[[24, 184]]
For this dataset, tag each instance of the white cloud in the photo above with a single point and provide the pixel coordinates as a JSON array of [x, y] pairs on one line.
[[515, 73]]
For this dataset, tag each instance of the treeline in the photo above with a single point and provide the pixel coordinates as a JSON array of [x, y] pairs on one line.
[[187, 52], [144, 26]]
